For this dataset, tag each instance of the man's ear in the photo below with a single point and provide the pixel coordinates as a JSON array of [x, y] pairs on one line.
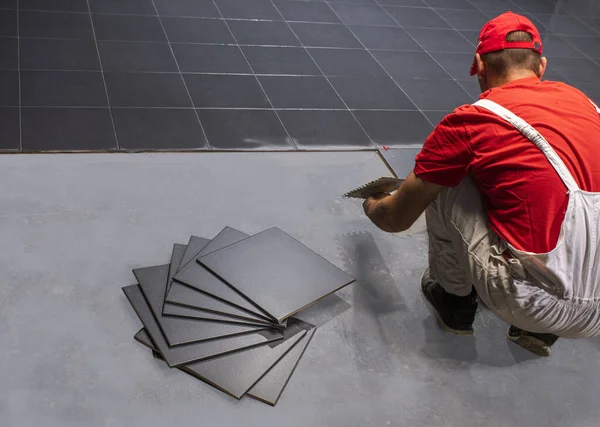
[[481, 71], [543, 65]]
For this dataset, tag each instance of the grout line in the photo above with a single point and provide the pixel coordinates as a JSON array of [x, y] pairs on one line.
[[290, 139], [182, 79], [19, 80], [112, 120]]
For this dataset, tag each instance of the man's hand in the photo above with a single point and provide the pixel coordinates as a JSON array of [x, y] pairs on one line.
[[370, 204]]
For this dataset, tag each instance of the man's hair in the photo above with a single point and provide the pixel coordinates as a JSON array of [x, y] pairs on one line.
[[501, 62]]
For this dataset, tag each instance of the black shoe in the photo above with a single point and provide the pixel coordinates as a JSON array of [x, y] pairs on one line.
[[538, 344], [455, 314]]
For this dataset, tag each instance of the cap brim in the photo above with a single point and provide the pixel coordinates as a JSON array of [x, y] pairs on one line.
[[473, 69]]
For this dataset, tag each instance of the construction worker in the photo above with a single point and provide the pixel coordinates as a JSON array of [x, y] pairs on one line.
[[510, 187]]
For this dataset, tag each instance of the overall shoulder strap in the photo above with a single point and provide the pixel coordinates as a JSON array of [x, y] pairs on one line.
[[534, 136]]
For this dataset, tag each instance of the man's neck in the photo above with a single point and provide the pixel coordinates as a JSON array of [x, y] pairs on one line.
[[497, 81]]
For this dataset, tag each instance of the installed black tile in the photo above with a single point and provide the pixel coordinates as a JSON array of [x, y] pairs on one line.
[[194, 352], [244, 130], [471, 36], [225, 91], [9, 54], [263, 33], [9, 128], [362, 14], [555, 46], [196, 30], [8, 23], [384, 38], [55, 25], [416, 3], [371, 93], [306, 11], [416, 17], [9, 88], [563, 24], [464, 19], [158, 129], [56, 5], [395, 127], [280, 60], [441, 40], [410, 65], [552, 74], [325, 35], [62, 88], [451, 4], [589, 46], [537, 6], [324, 129], [210, 58], [300, 92], [435, 116], [577, 69], [8, 4], [472, 86], [291, 276], [72, 129], [436, 94], [146, 90], [496, 6], [197, 8], [248, 9], [46, 54], [401, 160], [128, 28], [457, 64], [591, 21], [347, 62], [137, 7], [136, 56]]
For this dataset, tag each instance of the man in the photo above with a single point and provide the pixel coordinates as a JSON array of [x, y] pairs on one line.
[[508, 188]]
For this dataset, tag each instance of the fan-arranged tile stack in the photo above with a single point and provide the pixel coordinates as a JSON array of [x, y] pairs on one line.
[[222, 310]]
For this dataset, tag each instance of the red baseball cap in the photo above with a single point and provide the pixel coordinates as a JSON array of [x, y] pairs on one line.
[[493, 35]]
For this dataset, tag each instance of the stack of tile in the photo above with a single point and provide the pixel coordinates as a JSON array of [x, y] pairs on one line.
[[222, 309]]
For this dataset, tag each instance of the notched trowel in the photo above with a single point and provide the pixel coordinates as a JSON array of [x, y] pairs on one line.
[[381, 185]]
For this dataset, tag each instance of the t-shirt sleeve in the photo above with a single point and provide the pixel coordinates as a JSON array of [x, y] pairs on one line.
[[446, 155]]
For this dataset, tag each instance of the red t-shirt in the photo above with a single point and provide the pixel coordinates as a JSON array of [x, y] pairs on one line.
[[524, 198]]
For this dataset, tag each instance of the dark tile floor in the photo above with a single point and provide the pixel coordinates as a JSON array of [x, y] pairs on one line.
[[256, 74]]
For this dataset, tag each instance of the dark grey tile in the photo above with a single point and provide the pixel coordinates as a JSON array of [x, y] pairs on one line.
[[325, 35], [197, 30], [225, 91], [385, 38], [307, 11], [263, 33], [416, 17], [464, 19], [54, 25], [591, 21], [371, 93], [495, 6], [137, 7], [563, 24], [9, 54], [576, 69], [190, 8], [395, 128], [401, 160], [410, 65], [589, 46], [8, 23], [555, 46], [248, 9], [552, 74], [10, 132], [281, 60], [441, 40], [435, 116], [324, 130], [244, 130], [70, 129], [280, 257], [47, 54], [300, 92], [592, 90], [415, 3], [362, 14], [9, 88], [210, 58], [178, 331], [450, 4], [436, 94], [471, 36], [347, 62], [158, 129], [8, 4], [472, 86], [457, 64], [128, 28], [62, 88], [537, 6], [55, 5], [136, 56], [146, 90], [182, 355]]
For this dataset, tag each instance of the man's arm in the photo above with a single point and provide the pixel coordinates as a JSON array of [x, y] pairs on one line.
[[397, 212]]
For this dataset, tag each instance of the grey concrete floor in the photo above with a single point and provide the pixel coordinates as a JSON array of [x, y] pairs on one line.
[[72, 228]]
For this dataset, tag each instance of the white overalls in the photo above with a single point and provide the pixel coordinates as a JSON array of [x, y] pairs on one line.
[[556, 292]]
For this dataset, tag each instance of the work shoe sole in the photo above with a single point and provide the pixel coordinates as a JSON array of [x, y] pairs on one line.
[[529, 342]]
